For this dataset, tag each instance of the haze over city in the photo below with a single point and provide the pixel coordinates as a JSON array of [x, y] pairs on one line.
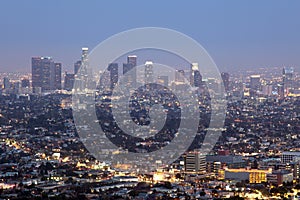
[[236, 34]]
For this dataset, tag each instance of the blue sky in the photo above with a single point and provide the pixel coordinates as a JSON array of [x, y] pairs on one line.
[[235, 33]]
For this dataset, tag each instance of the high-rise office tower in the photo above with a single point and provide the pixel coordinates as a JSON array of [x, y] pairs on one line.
[[148, 72], [179, 76], [255, 82], [197, 79], [84, 74], [280, 90], [225, 78], [42, 73], [104, 79], [195, 76], [77, 66], [69, 81], [25, 86], [84, 60], [57, 75], [288, 79], [255, 85], [6, 83], [132, 59], [130, 68], [128, 73], [195, 162], [113, 69], [46, 75]]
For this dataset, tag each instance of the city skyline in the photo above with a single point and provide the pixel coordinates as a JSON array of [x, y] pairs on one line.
[[149, 100], [259, 146], [259, 36]]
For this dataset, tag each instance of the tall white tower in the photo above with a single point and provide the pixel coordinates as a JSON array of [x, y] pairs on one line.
[[148, 72], [84, 60]]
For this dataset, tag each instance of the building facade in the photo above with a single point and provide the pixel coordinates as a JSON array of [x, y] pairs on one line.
[[114, 75], [290, 156], [195, 162], [43, 74]]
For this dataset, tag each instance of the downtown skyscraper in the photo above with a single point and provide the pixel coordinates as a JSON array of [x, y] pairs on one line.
[[83, 73], [288, 79], [46, 75], [114, 76], [84, 60], [57, 76], [130, 69], [149, 72], [195, 76]]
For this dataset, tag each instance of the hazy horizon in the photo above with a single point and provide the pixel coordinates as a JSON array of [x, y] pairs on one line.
[[235, 34]]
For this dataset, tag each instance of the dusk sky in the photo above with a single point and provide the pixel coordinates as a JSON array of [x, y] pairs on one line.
[[235, 33]]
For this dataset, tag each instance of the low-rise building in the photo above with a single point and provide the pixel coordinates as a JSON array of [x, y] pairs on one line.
[[280, 177], [251, 175]]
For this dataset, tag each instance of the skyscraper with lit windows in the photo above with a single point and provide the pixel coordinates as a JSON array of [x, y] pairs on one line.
[[195, 76], [42, 69], [57, 76], [148, 72], [287, 79], [83, 73], [46, 75], [84, 59], [113, 69], [225, 79], [77, 66], [130, 69], [69, 81]]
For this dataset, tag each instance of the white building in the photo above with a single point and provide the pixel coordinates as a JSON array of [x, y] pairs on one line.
[[290, 156]]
